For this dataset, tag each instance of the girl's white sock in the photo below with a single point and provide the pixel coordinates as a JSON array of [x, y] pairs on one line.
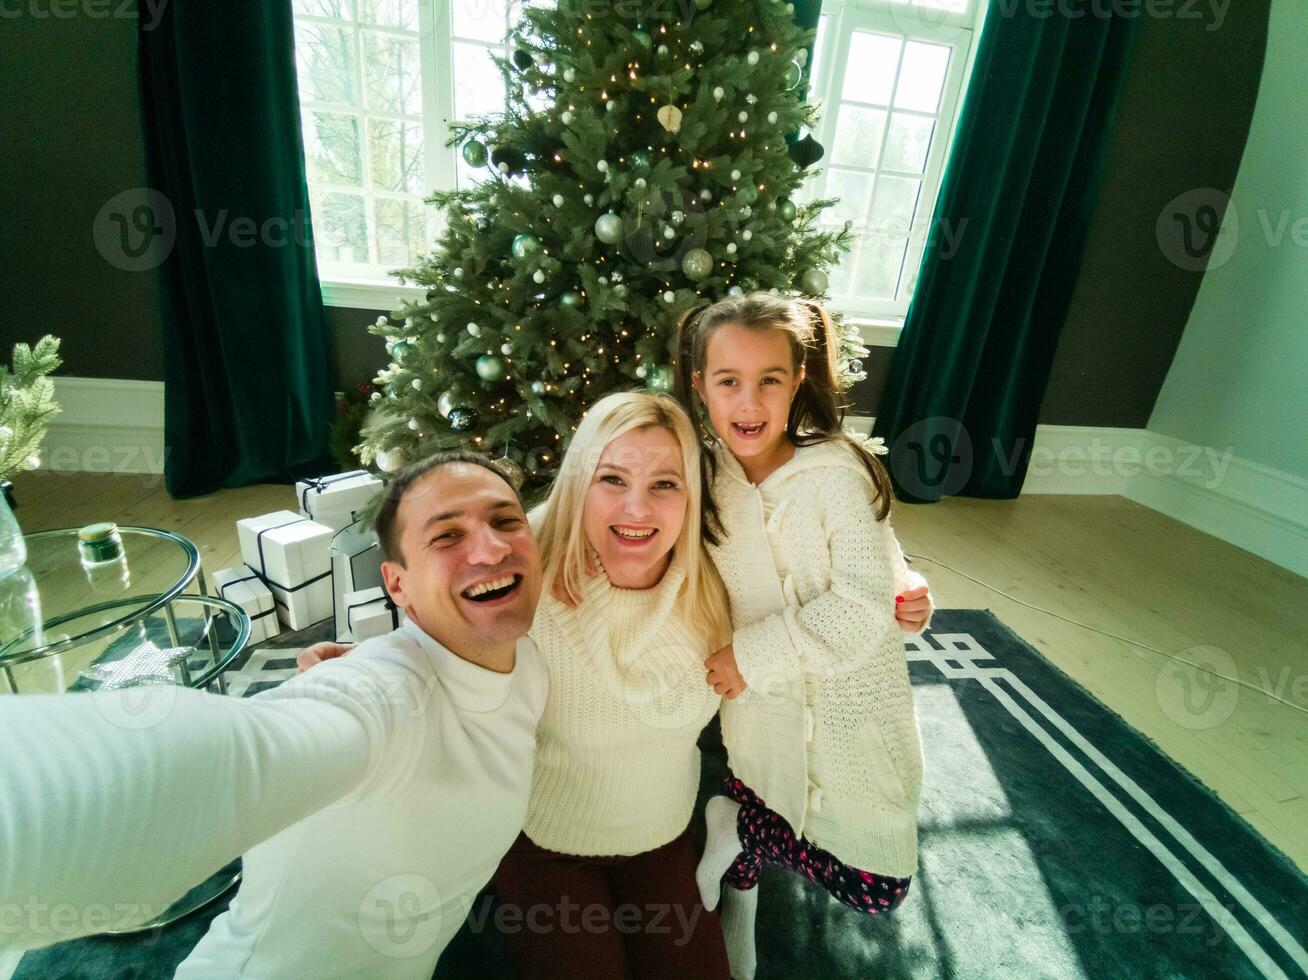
[[720, 848], [739, 909]]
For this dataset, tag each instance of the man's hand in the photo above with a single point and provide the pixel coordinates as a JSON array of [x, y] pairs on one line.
[[913, 606], [316, 654], [723, 674]]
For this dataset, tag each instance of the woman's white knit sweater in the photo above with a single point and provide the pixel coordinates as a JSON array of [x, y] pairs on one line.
[[826, 733], [617, 768]]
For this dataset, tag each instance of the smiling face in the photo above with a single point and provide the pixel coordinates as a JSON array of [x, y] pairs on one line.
[[747, 384], [471, 572], [635, 506]]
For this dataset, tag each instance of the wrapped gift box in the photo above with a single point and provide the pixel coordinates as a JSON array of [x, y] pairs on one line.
[[242, 587], [337, 500], [356, 566], [292, 557], [370, 613]]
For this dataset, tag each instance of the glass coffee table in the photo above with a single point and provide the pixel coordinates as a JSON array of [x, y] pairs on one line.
[[70, 626], [66, 625]]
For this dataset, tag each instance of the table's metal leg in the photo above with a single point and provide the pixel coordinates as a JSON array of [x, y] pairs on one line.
[[204, 586], [171, 620], [211, 628], [9, 679]]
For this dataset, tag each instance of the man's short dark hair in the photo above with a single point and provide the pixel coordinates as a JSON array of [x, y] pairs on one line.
[[388, 533]]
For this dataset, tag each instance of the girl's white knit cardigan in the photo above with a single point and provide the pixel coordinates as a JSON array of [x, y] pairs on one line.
[[826, 733]]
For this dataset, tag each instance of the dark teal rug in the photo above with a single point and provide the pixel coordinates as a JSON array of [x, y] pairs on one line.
[[1056, 841]]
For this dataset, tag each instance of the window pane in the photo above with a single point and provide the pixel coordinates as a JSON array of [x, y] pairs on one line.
[[392, 74], [896, 200], [878, 267], [870, 72], [855, 193], [842, 273], [819, 49], [324, 57], [340, 231], [336, 9], [923, 76], [401, 231], [858, 136], [485, 20], [331, 148], [390, 13], [395, 152], [907, 142], [478, 84], [467, 177]]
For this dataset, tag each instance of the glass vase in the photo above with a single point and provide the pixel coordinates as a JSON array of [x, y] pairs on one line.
[[13, 549]]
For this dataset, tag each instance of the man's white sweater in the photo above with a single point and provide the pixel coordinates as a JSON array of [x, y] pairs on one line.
[[372, 797], [826, 733], [617, 767]]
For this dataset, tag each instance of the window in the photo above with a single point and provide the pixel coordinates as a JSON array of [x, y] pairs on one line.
[[379, 82], [890, 76]]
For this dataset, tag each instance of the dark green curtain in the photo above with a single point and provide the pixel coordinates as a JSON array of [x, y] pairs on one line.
[[959, 408], [247, 355]]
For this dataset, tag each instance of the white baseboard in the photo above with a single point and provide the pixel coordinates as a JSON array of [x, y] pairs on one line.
[[106, 425], [1254, 507]]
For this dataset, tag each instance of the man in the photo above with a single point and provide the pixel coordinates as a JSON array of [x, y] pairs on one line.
[[372, 798]]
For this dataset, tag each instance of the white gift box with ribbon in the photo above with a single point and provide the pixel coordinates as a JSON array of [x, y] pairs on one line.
[[370, 613], [242, 587], [292, 557], [336, 500], [356, 566]]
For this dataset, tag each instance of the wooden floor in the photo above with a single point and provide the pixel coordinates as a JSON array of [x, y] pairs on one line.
[[1103, 561]]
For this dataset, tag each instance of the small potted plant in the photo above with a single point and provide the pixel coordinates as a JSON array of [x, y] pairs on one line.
[[26, 407]]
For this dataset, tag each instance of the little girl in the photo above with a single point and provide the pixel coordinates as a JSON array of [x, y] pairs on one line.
[[818, 723]]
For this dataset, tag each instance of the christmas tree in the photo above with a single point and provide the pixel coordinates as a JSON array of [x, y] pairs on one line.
[[26, 404], [641, 167]]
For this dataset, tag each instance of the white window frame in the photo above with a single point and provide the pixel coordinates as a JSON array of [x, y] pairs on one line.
[[880, 322], [436, 42]]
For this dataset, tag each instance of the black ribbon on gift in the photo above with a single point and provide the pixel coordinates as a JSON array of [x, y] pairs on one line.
[[252, 577], [319, 484], [386, 600], [261, 573], [352, 526]]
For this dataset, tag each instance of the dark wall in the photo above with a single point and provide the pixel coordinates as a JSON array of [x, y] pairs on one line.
[[71, 138], [1182, 124]]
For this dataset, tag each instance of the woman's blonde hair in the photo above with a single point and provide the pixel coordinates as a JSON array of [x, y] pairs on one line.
[[565, 551]]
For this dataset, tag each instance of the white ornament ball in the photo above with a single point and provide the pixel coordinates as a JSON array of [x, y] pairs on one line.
[[802, 56], [731, 248], [735, 291], [603, 280], [502, 168], [32, 462], [602, 166], [641, 371], [558, 200], [416, 384], [640, 183], [413, 424], [735, 175], [669, 296], [381, 321], [474, 330], [746, 234], [375, 396], [706, 195], [669, 233], [719, 92], [565, 117], [612, 106], [392, 460], [772, 117], [663, 50], [506, 349], [538, 387], [752, 57], [458, 273], [588, 199], [440, 338], [538, 276], [569, 75]]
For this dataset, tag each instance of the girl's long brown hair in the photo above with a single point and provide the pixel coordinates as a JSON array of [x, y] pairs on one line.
[[817, 413]]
